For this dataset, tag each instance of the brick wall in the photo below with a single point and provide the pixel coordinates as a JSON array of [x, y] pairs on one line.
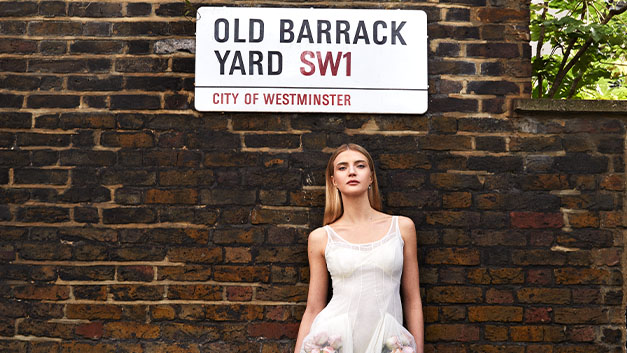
[[131, 223]]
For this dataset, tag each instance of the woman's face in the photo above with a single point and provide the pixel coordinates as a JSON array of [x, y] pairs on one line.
[[351, 173]]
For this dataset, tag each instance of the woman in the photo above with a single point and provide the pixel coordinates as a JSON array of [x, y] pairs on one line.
[[372, 258]]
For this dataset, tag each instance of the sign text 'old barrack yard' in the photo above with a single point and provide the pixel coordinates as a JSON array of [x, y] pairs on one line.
[[311, 60]]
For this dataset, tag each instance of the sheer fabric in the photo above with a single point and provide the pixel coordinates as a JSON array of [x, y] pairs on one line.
[[365, 313]]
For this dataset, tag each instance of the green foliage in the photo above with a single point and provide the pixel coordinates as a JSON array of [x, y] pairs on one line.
[[588, 42]]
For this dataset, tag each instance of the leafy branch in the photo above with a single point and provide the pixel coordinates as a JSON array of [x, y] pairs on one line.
[[582, 34]]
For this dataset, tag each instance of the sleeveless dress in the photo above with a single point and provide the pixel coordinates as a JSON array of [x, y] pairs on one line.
[[365, 313]]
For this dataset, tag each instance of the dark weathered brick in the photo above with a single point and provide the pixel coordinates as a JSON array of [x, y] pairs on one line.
[[185, 65], [96, 47], [52, 101], [12, 65], [40, 176], [97, 29], [493, 50], [138, 9], [43, 214], [135, 102], [581, 163], [452, 67], [95, 83], [18, 8], [493, 87], [452, 31], [36, 139], [453, 105], [95, 9], [153, 83], [122, 215], [87, 157]]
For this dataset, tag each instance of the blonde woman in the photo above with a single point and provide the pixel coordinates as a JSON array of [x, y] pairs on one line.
[[372, 259]]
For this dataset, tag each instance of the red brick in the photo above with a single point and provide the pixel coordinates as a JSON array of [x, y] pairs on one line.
[[583, 220], [282, 293], [454, 294], [404, 161], [495, 313], [453, 313], [181, 196], [239, 293], [92, 330], [195, 292], [197, 255], [452, 332], [187, 273], [94, 312], [537, 315], [237, 255], [162, 347], [536, 220], [586, 315], [52, 292], [582, 334], [457, 200], [464, 219], [273, 330], [496, 333], [496, 349], [570, 275], [539, 276], [131, 330], [234, 312], [544, 295], [242, 273], [186, 332], [457, 256], [498, 296], [613, 182], [162, 312]]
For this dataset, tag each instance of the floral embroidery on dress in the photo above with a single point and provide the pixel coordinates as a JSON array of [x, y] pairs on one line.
[[324, 343], [398, 344]]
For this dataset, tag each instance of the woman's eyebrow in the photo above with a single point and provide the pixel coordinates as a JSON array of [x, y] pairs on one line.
[[357, 161]]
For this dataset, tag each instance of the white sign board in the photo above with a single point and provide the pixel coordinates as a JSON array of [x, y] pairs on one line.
[[311, 60]]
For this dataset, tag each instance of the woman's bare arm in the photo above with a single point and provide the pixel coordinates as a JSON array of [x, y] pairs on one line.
[[318, 283], [410, 284]]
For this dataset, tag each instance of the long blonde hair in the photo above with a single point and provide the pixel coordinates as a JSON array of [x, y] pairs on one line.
[[333, 208]]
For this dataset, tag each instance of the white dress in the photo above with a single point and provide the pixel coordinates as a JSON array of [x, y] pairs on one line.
[[365, 313]]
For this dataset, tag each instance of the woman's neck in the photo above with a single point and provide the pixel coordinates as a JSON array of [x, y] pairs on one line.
[[357, 209]]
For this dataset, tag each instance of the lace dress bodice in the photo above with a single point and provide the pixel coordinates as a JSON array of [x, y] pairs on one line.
[[365, 314]]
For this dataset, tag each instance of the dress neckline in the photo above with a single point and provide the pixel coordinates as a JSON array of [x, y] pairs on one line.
[[368, 243]]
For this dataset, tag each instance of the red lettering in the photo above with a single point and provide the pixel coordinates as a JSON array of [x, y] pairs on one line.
[[312, 67]]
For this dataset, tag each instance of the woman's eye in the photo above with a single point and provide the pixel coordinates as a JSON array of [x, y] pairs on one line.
[[361, 166], [341, 168]]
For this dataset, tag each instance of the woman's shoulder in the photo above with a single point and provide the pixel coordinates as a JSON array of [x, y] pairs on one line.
[[404, 221], [318, 235]]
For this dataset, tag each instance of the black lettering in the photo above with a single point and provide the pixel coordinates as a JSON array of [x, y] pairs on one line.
[[279, 69], [252, 61], [251, 30], [305, 32], [339, 30], [216, 30], [238, 63], [396, 33], [375, 35], [324, 30], [222, 60], [237, 39], [361, 33], [286, 28]]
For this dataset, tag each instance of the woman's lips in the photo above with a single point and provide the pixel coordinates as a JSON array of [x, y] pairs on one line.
[[353, 182]]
